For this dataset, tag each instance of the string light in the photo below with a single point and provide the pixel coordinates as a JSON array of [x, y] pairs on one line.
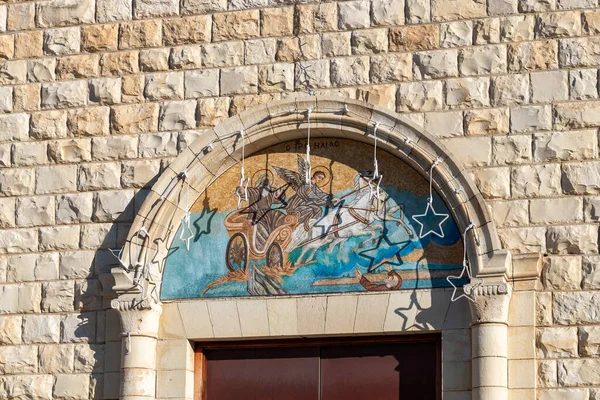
[[241, 191], [307, 164], [465, 270], [375, 181], [429, 209]]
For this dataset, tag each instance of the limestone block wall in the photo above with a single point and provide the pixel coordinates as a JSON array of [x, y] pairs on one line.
[[97, 96]]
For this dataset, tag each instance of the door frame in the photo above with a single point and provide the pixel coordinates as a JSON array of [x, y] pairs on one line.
[[200, 364]]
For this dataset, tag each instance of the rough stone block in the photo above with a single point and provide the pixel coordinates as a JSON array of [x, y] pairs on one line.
[[536, 180], [187, 30], [388, 12], [56, 358], [81, 66], [517, 28], [572, 308], [467, 92], [582, 84], [68, 387], [487, 122], [417, 37], [589, 341], [523, 240], [236, 25], [135, 118], [470, 151], [10, 329], [202, 6], [435, 64], [350, 71], [536, 5], [177, 115], [65, 12], [511, 149], [579, 372], [14, 127], [557, 342], [29, 44], [262, 51], [510, 213], [91, 121], [59, 237], [276, 77], [13, 72], [35, 211], [576, 239], [548, 87], [32, 153], [576, 115], [41, 329], [155, 8], [444, 124], [55, 179], [391, 67], [510, 90], [42, 70], [457, 9], [572, 145], [114, 148], [60, 42], [277, 21], [369, 41], [18, 359], [354, 15], [164, 86], [222, 54], [204, 83], [591, 22], [99, 176], [140, 34], [119, 63], [530, 119], [493, 182], [483, 60], [560, 24], [15, 182], [298, 48], [580, 178], [64, 94], [73, 208], [105, 90], [486, 31], [113, 205], [186, 57], [240, 80], [559, 273], [455, 34], [70, 151], [113, 10], [99, 37], [419, 96], [20, 17], [139, 173], [7, 219], [579, 52], [211, 111]]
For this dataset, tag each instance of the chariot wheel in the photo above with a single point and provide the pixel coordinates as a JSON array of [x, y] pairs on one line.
[[275, 255], [236, 256]]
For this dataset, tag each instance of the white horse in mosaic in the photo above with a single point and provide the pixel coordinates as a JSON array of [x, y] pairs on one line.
[[360, 216]]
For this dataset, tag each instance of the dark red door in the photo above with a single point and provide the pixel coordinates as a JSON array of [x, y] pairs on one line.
[[340, 370]]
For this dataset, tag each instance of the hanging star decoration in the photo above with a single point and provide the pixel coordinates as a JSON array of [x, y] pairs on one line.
[[241, 191], [430, 221], [186, 229], [468, 292], [375, 182], [117, 254]]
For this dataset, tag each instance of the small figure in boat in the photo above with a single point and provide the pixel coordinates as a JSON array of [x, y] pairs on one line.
[[393, 281]]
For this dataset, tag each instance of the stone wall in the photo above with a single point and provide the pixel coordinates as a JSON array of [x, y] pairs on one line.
[[97, 96]]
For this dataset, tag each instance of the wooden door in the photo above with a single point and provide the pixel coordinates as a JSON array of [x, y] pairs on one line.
[[370, 369]]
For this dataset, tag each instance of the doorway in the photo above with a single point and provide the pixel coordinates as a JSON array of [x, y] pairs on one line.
[[390, 368]]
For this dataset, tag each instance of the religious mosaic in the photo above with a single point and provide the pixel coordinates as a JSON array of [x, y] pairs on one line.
[[295, 227]]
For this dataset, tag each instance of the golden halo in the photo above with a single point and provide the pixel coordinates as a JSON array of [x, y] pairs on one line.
[[258, 174], [327, 173]]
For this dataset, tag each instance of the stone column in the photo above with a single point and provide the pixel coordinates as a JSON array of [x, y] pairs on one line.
[[489, 338], [139, 332]]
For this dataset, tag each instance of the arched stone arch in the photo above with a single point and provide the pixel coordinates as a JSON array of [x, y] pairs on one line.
[[136, 283]]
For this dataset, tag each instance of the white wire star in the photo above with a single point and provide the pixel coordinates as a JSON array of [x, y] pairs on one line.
[[416, 218], [186, 225], [466, 293], [117, 254]]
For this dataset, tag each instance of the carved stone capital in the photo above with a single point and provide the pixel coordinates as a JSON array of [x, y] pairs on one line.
[[138, 318], [491, 302]]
